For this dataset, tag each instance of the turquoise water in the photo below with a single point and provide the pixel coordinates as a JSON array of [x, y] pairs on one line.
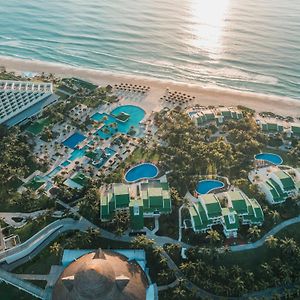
[[141, 171], [74, 140], [206, 186], [270, 157], [249, 45], [136, 113]]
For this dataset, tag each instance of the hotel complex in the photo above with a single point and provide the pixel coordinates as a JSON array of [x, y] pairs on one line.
[[277, 183], [144, 199], [21, 100], [203, 115], [226, 209]]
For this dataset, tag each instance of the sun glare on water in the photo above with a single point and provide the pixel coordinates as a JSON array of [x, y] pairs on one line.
[[208, 24]]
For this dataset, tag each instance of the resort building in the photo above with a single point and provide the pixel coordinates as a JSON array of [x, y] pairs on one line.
[[203, 115], [295, 130], [20, 100], [277, 183], [105, 275], [228, 209], [144, 199], [271, 127]]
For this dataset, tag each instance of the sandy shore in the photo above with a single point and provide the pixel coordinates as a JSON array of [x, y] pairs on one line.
[[204, 95]]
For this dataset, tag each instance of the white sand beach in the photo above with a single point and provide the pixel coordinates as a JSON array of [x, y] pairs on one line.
[[203, 95]]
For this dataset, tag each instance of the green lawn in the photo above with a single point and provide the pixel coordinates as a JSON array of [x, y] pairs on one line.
[[38, 126], [9, 292], [252, 258], [35, 183], [140, 155], [32, 227]]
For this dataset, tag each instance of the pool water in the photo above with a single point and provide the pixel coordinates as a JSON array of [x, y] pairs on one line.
[[136, 115], [141, 171], [54, 172], [270, 157], [74, 140], [205, 186], [78, 153], [65, 163]]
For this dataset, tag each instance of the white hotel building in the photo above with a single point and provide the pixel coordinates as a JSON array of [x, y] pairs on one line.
[[21, 100]]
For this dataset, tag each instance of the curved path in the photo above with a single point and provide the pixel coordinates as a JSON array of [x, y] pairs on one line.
[[260, 242], [24, 252]]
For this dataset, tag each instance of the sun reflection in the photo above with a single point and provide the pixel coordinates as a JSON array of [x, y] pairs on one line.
[[208, 22]]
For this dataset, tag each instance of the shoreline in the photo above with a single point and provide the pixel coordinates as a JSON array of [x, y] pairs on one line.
[[204, 95]]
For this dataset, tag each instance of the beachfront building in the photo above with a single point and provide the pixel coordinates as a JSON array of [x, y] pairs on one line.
[[271, 127], [144, 199], [202, 115], [105, 275], [277, 183], [21, 100], [229, 209]]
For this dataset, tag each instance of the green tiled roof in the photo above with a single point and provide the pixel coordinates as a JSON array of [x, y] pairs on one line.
[[231, 219], [275, 194], [296, 129], [198, 215], [212, 205], [286, 180], [238, 202]]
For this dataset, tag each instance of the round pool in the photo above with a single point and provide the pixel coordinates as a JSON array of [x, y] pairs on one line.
[[272, 158], [206, 186], [141, 171]]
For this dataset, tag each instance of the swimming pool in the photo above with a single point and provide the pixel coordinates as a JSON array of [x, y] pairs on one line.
[[74, 140], [141, 171], [78, 153], [135, 116], [206, 186], [65, 163], [272, 158], [54, 172]]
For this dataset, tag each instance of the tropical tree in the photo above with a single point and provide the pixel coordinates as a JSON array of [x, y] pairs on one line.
[[254, 232], [213, 236], [55, 249], [271, 242]]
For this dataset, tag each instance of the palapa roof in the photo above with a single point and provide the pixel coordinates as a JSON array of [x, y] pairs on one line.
[[101, 275]]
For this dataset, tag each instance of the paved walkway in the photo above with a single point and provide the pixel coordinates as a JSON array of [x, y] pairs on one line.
[[260, 242], [26, 286], [24, 252], [8, 217]]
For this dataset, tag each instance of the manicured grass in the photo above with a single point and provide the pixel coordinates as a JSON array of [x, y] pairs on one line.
[[38, 126], [251, 259], [35, 183], [32, 227], [140, 155], [80, 179], [9, 292], [41, 264]]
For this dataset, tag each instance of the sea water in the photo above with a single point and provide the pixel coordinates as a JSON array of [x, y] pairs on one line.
[[251, 45]]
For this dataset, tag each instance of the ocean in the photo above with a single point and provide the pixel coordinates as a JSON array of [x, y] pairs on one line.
[[248, 45]]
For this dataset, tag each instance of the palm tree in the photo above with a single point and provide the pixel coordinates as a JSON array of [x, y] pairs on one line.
[[274, 214], [272, 242], [289, 246], [254, 232], [55, 249], [213, 236]]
